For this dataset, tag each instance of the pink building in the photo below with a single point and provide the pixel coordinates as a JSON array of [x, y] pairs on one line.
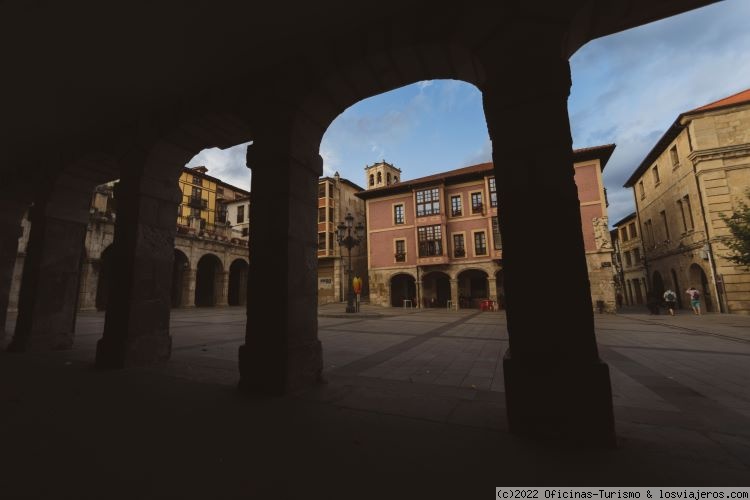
[[436, 241]]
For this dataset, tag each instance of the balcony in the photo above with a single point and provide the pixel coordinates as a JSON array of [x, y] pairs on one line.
[[477, 209], [197, 202], [400, 257], [459, 252]]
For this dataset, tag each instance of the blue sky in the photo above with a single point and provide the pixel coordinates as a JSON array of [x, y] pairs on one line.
[[627, 89]]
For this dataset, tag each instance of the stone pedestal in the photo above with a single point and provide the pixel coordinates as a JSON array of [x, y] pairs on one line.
[[556, 386], [48, 300], [282, 277], [136, 328]]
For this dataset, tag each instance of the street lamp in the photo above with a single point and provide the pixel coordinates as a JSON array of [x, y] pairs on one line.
[[346, 239]]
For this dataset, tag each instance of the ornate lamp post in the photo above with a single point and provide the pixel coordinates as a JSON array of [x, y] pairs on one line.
[[347, 239]]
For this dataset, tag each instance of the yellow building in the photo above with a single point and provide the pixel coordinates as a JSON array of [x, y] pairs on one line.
[[204, 200]]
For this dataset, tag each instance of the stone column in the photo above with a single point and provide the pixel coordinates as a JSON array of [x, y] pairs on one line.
[[282, 351], [188, 287], [418, 284], [454, 293], [492, 288], [10, 232], [48, 300], [557, 388], [222, 288], [89, 278], [136, 326]]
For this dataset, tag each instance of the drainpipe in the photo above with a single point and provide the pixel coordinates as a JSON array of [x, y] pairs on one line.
[[708, 247]]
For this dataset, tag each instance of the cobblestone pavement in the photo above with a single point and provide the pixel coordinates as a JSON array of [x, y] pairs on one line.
[[405, 385]]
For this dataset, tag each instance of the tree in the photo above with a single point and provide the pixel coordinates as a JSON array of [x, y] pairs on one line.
[[739, 225]]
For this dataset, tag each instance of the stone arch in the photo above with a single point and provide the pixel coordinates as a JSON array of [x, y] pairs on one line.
[[180, 278], [699, 280], [403, 287], [208, 280], [237, 294], [104, 278], [436, 289], [472, 287]]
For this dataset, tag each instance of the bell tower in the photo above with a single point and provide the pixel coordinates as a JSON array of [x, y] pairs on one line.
[[380, 175]]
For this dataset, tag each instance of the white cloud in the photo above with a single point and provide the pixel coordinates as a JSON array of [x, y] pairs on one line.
[[225, 164]]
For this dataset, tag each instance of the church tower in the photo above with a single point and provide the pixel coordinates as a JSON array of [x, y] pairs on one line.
[[381, 174]]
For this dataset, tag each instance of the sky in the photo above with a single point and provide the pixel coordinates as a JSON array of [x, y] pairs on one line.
[[628, 88]]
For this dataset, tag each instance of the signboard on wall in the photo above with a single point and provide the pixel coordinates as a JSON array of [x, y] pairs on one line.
[[325, 282]]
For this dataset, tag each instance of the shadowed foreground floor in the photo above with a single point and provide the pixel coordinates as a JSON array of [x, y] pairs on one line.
[[413, 408]]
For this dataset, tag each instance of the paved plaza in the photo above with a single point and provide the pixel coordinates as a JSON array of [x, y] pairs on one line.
[[413, 407]]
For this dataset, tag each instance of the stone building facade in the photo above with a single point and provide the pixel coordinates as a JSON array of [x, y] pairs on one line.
[[630, 261], [698, 170], [435, 241], [337, 198]]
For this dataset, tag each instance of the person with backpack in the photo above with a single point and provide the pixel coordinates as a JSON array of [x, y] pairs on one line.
[[695, 300], [671, 299]]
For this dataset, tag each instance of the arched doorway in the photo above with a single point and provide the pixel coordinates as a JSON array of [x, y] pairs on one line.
[[238, 283], [472, 288], [658, 288], [500, 286], [699, 280], [102, 283], [180, 272], [677, 289], [208, 281], [436, 289], [403, 287]]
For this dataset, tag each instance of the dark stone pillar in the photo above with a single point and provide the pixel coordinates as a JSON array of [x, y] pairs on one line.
[[557, 388], [282, 351], [48, 299], [136, 327], [10, 232]]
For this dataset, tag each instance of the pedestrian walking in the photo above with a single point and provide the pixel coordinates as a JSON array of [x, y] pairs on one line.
[[695, 300], [671, 300]]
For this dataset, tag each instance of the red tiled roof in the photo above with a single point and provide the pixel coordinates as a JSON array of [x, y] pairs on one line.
[[737, 98]]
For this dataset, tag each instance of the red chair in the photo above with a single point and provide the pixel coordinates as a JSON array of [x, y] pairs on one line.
[[487, 305]]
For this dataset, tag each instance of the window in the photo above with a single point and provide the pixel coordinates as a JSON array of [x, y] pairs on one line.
[[321, 241], [663, 215], [219, 190], [380, 178], [655, 172], [398, 214], [197, 180], [330, 214], [322, 190], [331, 239], [624, 234], [633, 233], [195, 212], [456, 205], [321, 214], [649, 237], [240, 214], [637, 255], [245, 231], [673, 156], [395, 179], [428, 202], [476, 203], [480, 243], [641, 189], [682, 213], [689, 212], [400, 250], [628, 260], [496, 236], [388, 179], [430, 241], [493, 192], [197, 192], [372, 180], [458, 246]]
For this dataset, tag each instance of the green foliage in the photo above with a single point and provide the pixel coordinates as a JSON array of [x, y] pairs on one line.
[[739, 225]]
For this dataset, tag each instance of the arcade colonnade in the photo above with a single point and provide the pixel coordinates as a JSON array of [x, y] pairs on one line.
[[556, 385]]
